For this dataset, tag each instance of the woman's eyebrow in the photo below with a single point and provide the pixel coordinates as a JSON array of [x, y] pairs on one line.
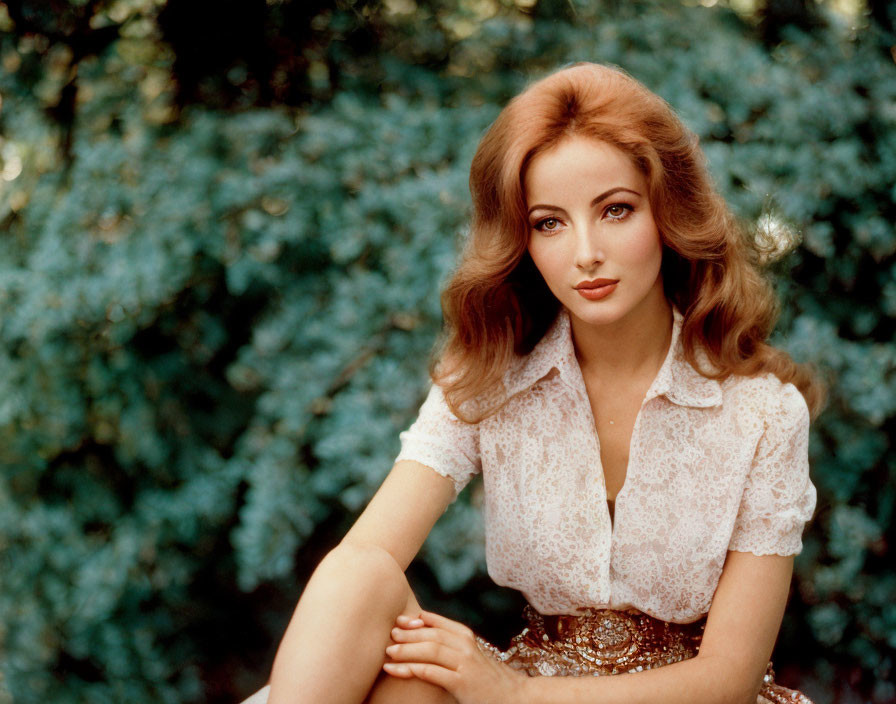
[[603, 196], [607, 194]]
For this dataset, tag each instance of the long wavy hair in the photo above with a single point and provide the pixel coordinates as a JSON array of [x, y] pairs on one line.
[[497, 306]]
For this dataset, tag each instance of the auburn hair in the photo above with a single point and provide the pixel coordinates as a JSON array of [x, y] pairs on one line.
[[497, 306]]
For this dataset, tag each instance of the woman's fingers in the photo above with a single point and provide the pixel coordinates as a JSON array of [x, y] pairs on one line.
[[429, 618], [429, 647], [445, 653], [418, 635], [432, 619], [427, 651], [409, 621], [434, 674]]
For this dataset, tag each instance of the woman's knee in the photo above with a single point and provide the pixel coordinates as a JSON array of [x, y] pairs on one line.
[[369, 569], [392, 690]]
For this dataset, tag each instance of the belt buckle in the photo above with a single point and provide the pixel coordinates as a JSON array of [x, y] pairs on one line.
[[613, 636]]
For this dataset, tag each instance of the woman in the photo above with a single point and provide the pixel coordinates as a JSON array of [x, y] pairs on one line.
[[643, 449]]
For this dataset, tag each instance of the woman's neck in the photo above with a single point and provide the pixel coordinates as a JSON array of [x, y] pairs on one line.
[[633, 346]]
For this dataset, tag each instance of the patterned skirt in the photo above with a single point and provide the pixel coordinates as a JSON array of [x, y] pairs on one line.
[[609, 642]]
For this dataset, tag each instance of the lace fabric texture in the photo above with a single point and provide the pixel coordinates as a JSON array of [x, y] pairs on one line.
[[607, 642], [713, 466]]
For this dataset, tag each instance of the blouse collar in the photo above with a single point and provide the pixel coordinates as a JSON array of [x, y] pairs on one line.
[[677, 380]]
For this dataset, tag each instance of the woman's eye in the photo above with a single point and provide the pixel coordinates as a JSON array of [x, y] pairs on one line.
[[548, 225], [618, 211]]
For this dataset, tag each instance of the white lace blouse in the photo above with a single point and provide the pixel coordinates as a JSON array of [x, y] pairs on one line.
[[713, 466]]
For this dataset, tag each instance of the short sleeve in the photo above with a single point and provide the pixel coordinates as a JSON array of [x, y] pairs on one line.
[[439, 440], [779, 498]]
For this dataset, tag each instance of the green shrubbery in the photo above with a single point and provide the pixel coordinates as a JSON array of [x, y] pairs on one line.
[[214, 328]]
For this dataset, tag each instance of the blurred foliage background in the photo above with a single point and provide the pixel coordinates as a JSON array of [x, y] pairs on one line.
[[225, 224]]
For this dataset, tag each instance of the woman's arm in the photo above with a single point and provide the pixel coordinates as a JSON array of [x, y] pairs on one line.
[[741, 630], [403, 511], [740, 633], [335, 631]]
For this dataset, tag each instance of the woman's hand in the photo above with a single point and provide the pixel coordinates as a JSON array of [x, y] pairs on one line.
[[444, 653]]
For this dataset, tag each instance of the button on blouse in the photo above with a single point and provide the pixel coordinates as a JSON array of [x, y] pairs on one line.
[[713, 466]]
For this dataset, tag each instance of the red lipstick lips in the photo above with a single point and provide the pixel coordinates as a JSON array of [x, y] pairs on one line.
[[596, 289], [596, 282]]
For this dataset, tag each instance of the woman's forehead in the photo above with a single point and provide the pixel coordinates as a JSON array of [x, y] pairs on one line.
[[580, 165]]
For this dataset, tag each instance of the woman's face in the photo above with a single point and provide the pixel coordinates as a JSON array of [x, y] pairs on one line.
[[591, 231]]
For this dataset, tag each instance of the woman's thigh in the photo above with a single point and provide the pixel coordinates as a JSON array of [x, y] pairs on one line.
[[386, 690], [393, 690]]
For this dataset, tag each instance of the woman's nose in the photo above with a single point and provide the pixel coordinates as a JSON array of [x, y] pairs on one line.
[[589, 247]]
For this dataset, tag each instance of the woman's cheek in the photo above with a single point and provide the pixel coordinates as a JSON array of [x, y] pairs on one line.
[[644, 248]]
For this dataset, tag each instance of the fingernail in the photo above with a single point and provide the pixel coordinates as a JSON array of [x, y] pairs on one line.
[[391, 649], [415, 622]]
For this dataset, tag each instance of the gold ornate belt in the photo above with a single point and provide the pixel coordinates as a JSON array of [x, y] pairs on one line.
[[610, 642], [600, 642]]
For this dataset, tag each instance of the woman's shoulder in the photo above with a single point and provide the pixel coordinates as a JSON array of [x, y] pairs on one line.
[[765, 398], [765, 386]]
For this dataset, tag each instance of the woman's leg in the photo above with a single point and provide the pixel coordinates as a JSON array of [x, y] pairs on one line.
[[334, 647], [392, 690]]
